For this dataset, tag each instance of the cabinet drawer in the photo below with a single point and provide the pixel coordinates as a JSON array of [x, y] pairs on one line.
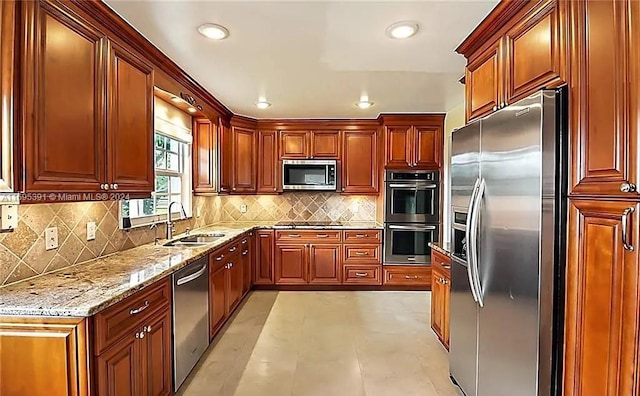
[[114, 322], [362, 274], [363, 236], [354, 254], [401, 275], [317, 236]]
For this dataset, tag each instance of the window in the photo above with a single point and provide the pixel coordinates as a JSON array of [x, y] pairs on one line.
[[172, 174]]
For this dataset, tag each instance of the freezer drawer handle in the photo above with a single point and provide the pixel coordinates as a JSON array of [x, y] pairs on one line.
[[139, 309], [191, 277], [625, 218]]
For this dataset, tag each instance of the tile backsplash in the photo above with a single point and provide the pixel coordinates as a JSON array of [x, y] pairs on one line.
[[23, 254]]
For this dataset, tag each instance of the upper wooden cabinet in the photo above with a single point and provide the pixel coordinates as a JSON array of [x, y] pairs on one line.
[[601, 314], [204, 150], [225, 150], [413, 142], [360, 162], [605, 98], [268, 164], [7, 93], [243, 168], [300, 144], [88, 106], [508, 62]]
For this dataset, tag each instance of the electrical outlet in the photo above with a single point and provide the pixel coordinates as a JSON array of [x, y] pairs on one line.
[[51, 238], [243, 208], [91, 231]]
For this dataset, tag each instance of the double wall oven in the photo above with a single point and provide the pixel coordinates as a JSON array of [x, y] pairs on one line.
[[412, 216]]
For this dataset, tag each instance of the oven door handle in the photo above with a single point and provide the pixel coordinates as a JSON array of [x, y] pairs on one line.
[[415, 186], [412, 228]]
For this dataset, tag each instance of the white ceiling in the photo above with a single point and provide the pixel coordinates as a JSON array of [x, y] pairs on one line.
[[315, 59]]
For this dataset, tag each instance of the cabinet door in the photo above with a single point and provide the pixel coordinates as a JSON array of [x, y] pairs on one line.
[[601, 314], [482, 83], [204, 149], [360, 162], [291, 265], [533, 53], [428, 147], [234, 283], [264, 260], [63, 76], [225, 156], [325, 144], [158, 355], [324, 264], [120, 368], [130, 122], [446, 298], [217, 298], [244, 160], [398, 147], [604, 98], [294, 144], [247, 262], [7, 92], [268, 164], [437, 303]]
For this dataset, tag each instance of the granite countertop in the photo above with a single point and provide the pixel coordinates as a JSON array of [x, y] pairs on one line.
[[442, 247], [90, 287]]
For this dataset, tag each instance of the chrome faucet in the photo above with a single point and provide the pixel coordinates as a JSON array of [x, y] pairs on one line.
[[170, 225]]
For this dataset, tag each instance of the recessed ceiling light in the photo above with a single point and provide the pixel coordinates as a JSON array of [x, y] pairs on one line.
[[213, 31], [364, 104], [402, 30], [191, 109], [263, 104]]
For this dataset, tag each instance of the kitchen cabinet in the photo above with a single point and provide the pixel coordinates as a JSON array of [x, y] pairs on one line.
[[398, 142], [601, 313], [7, 93], [428, 151], [268, 164], [159, 354], [604, 100], [265, 257], [246, 252], [234, 282], [303, 144], [509, 62], [217, 294], [88, 100], [225, 155], [120, 368], [324, 264], [413, 142], [407, 275], [291, 264], [359, 162], [440, 296], [204, 149], [362, 274], [244, 160]]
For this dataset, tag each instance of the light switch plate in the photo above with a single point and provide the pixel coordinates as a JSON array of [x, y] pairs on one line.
[[51, 238], [91, 231], [243, 208]]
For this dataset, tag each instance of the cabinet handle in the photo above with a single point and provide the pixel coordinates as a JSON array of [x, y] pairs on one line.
[[342, 188], [264, 236], [362, 253], [139, 309], [244, 241], [220, 257], [106, 186], [361, 274], [361, 235], [628, 187], [233, 249], [625, 218], [245, 252], [322, 236], [294, 235], [495, 108], [140, 335], [147, 329], [446, 266], [444, 281], [411, 277], [114, 186]]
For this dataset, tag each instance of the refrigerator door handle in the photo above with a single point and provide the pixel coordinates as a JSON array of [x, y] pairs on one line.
[[474, 242], [468, 238]]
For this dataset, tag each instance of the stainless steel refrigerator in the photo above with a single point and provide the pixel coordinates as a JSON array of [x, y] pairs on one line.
[[508, 204]]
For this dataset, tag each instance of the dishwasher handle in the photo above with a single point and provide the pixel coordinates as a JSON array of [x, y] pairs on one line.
[[191, 277]]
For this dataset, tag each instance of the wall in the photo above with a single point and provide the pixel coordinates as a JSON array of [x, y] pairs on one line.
[[454, 119], [300, 206]]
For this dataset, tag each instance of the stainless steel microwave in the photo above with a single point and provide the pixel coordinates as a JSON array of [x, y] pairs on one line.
[[309, 175]]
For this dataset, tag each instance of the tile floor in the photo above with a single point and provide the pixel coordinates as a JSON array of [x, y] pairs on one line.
[[325, 343]]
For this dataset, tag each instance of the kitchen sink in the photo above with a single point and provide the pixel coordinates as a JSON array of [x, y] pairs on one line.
[[195, 240]]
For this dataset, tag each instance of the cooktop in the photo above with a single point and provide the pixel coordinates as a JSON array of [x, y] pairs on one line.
[[309, 224]]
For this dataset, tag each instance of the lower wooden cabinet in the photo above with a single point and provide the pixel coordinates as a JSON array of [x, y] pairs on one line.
[[234, 282], [158, 351], [263, 273], [324, 264], [362, 274], [440, 296], [246, 253], [407, 275], [291, 264], [120, 368], [217, 295]]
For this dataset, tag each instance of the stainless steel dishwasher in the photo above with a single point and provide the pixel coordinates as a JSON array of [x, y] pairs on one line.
[[190, 318]]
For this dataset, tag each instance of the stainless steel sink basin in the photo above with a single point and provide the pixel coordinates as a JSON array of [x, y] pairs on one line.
[[195, 240]]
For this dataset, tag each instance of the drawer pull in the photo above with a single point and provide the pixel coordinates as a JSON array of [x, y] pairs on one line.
[[244, 241], [361, 274], [361, 235], [245, 252], [147, 329], [220, 257], [362, 253], [446, 266], [444, 281], [411, 277], [140, 334], [322, 236], [294, 235], [139, 309], [233, 249]]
